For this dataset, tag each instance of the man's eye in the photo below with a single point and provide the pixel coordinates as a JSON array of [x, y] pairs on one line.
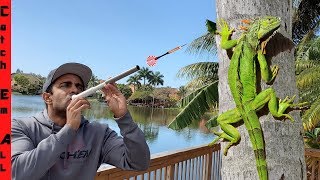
[[80, 88], [64, 85]]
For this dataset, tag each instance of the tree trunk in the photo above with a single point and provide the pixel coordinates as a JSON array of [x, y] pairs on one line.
[[283, 139]]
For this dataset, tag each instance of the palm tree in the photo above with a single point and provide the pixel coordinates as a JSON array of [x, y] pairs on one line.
[[135, 81], [144, 73], [93, 81], [155, 79], [292, 151], [182, 91], [280, 49]]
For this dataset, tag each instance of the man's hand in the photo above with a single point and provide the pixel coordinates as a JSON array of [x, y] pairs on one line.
[[74, 110], [115, 100]]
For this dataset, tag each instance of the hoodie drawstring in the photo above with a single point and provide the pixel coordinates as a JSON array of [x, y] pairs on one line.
[[52, 130]]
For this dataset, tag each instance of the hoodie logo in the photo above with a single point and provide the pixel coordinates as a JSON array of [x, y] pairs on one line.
[[75, 155]]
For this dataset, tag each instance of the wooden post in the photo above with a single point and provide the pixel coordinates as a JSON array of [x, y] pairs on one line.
[[209, 165], [170, 172]]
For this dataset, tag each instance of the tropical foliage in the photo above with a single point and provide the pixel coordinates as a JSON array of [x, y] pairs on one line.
[[30, 84], [125, 90], [195, 105], [135, 81], [145, 74], [156, 78], [148, 77], [147, 91], [202, 74], [199, 74], [308, 83]]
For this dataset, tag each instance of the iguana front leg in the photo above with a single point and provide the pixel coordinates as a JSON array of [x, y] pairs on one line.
[[267, 74], [225, 34]]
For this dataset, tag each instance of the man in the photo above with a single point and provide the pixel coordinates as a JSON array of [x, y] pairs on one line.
[[59, 143]]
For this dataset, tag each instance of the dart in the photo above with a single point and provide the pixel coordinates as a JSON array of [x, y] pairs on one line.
[[152, 60]]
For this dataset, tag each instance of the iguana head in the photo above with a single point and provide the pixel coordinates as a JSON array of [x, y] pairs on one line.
[[266, 26], [262, 29]]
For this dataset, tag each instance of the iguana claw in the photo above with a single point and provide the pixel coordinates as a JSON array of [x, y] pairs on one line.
[[284, 104], [302, 105], [224, 28], [274, 70], [217, 138]]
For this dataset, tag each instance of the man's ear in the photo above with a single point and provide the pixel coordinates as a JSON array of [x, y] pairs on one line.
[[47, 97]]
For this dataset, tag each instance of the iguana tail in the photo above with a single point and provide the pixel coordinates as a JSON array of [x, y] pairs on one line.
[[253, 126]]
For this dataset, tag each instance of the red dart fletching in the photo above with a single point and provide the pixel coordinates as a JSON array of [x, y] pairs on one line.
[[151, 60]]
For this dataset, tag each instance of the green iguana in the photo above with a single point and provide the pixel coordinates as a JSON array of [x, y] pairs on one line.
[[248, 50]]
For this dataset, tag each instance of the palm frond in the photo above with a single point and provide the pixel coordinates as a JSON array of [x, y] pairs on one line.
[[311, 138], [306, 18], [195, 105], [302, 65], [212, 122], [308, 49], [305, 41], [199, 82], [311, 117], [195, 70], [308, 77], [310, 94], [203, 45], [211, 26], [206, 44]]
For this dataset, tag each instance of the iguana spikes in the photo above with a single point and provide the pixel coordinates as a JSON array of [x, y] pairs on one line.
[[246, 21], [243, 28]]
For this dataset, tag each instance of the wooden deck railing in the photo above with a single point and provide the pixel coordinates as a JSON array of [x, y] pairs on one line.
[[312, 157], [198, 163]]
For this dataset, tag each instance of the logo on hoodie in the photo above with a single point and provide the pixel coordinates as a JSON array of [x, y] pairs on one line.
[[76, 150], [75, 155]]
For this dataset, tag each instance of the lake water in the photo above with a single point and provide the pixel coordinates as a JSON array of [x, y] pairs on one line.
[[153, 122]]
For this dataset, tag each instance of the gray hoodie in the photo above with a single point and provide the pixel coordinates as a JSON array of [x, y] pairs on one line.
[[43, 150]]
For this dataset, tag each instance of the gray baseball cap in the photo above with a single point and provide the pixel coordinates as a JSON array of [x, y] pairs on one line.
[[81, 70]]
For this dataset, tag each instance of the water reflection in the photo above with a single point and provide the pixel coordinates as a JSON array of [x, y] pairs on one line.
[[153, 122]]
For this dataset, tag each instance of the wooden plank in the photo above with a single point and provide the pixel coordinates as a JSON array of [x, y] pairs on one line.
[[195, 163], [312, 152], [176, 170], [209, 166], [312, 169], [318, 162]]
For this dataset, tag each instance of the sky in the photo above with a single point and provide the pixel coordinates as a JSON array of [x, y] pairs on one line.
[[108, 36]]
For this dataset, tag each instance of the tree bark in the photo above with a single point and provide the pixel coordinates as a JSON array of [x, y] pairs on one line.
[[283, 139]]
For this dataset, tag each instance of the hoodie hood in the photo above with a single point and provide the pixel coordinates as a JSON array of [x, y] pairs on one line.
[[43, 118]]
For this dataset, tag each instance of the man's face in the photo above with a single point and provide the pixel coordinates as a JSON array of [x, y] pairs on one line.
[[62, 90]]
